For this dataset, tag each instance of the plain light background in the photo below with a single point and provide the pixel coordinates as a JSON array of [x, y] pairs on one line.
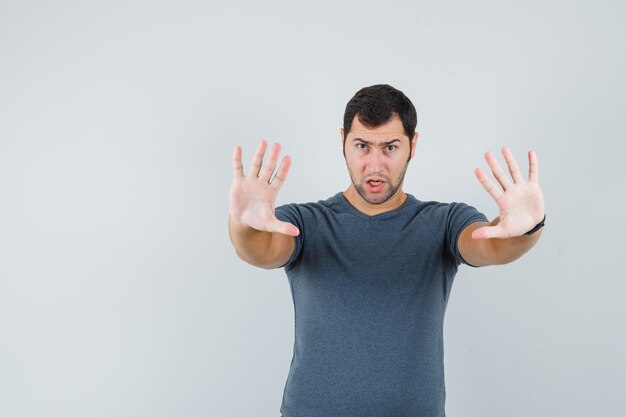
[[120, 294]]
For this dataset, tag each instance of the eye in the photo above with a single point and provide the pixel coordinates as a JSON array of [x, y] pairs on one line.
[[361, 146], [391, 148]]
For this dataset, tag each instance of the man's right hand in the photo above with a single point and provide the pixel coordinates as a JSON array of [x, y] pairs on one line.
[[253, 196]]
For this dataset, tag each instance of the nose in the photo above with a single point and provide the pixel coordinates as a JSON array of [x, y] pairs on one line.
[[374, 161]]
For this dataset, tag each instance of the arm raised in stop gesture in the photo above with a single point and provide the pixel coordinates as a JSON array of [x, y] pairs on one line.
[[519, 201], [521, 206], [258, 236]]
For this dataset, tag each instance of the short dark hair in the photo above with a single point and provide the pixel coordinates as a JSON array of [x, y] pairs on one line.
[[378, 104]]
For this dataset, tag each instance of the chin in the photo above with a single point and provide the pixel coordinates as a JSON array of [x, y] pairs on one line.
[[378, 198]]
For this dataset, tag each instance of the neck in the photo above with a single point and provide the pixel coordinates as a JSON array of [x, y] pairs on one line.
[[370, 209]]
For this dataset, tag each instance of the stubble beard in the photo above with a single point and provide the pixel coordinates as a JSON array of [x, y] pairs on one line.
[[392, 188]]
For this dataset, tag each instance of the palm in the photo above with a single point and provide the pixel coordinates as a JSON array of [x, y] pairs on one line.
[[520, 202], [252, 203], [253, 197]]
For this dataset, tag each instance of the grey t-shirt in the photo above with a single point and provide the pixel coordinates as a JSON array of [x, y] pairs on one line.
[[370, 294]]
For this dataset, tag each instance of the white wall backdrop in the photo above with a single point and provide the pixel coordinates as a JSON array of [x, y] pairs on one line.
[[120, 294]]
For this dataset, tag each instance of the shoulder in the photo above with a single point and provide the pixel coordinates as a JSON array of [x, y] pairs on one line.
[[310, 208], [308, 218], [438, 208], [442, 217], [430, 208]]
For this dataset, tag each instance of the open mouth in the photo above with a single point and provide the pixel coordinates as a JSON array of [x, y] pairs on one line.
[[374, 186]]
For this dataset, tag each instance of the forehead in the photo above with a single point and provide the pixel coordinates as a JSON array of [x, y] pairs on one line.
[[393, 129]]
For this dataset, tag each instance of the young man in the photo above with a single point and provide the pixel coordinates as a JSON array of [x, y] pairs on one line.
[[371, 268]]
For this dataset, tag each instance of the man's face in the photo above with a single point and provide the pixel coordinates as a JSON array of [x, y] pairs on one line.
[[377, 158]]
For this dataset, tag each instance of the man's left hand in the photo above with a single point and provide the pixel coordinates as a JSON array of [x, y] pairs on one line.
[[520, 201]]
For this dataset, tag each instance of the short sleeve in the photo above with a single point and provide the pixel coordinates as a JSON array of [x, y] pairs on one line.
[[291, 213], [460, 215]]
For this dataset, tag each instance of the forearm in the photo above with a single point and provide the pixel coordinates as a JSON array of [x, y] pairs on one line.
[[510, 249], [256, 247]]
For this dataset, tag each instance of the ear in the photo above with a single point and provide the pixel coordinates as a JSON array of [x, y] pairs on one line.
[[341, 134], [413, 143]]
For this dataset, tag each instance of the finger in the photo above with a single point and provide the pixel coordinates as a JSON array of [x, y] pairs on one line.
[[281, 174], [237, 165], [487, 184], [257, 159], [497, 170], [489, 232], [512, 164], [270, 165], [282, 227], [533, 167]]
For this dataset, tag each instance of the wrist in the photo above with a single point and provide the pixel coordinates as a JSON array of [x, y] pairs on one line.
[[537, 227], [239, 226]]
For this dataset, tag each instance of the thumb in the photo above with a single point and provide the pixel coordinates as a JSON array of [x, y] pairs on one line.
[[284, 228], [489, 232]]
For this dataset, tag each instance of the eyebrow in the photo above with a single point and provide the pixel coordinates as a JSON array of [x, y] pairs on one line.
[[389, 142]]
